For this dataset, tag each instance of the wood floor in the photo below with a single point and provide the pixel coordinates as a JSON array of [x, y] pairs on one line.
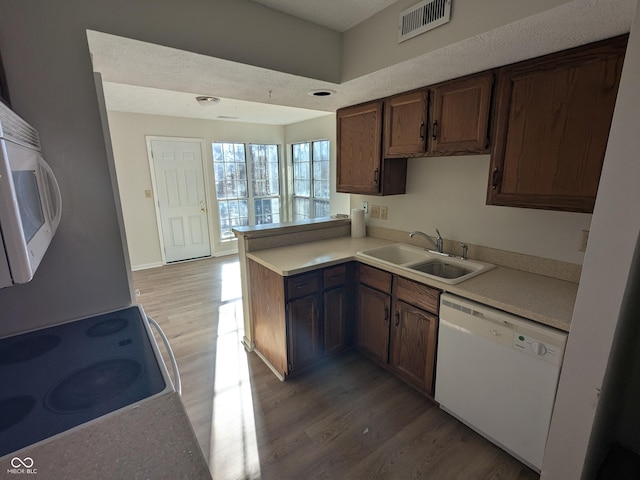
[[349, 419]]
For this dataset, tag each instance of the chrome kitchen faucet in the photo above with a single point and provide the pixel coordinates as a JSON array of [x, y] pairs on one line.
[[437, 244]]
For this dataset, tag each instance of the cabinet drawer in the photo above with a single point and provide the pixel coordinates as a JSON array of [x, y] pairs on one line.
[[304, 284], [418, 295], [335, 276], [375, 278]]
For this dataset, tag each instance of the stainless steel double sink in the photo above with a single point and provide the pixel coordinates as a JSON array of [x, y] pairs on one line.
[[441, 267]]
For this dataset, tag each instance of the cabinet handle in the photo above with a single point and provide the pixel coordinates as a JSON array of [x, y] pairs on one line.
[[397, 322], [495, 178], [301, 286], [434, 131], [375, 176], [386, 314], [422, 131], [333, 278]]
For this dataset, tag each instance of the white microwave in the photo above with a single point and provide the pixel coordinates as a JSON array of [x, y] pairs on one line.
[[30, 200]]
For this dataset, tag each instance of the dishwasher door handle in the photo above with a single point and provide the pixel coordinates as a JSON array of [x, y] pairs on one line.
[[172, 357]]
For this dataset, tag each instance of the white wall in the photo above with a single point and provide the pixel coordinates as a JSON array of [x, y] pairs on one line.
[[450, 193], [128, 131], [609, 260]]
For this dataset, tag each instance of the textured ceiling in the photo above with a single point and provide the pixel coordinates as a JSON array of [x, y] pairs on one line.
[[146, 78], [323, 12]]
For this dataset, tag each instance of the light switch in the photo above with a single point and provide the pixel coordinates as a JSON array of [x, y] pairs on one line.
[[384, 212]]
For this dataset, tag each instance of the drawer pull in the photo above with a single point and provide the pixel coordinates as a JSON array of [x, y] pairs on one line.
[[333, 278], [301, 286]]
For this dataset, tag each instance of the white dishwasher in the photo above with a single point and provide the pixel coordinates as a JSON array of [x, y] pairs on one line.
[[498, 373]]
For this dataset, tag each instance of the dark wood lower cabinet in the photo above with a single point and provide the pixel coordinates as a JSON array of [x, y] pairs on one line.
[[397, 325], [372, 323], [301, 320], [304, 323], [413, 345], [335, 303]]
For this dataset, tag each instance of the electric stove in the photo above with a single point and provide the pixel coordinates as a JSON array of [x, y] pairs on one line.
[[56, 378]]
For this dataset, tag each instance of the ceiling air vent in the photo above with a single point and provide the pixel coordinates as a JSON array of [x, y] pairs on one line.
[[423, 17]]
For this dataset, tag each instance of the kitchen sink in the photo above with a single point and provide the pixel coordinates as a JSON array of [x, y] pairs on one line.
[[397, 254], [427, 263], [441, 269]]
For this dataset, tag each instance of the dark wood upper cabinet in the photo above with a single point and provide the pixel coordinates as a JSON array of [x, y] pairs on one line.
[[459, 116], [360, 164], [405, 125], [458, 120], [552, 121]]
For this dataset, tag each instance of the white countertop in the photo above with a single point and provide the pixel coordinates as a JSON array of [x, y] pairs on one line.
[[546, 300]]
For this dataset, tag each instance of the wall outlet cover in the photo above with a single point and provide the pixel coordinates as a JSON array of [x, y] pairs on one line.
[[384, 212], [375, 211]]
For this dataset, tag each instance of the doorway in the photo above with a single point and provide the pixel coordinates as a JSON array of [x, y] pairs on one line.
[[181, 202]]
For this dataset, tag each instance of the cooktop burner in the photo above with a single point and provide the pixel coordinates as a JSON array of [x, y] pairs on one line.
[[15, 409], [59, 377], [28, 348], [93, 385], [107, 327]]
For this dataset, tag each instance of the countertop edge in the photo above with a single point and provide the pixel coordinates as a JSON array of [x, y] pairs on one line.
[[555, 313]]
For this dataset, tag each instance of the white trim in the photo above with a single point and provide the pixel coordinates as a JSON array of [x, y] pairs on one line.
[[146, 266]]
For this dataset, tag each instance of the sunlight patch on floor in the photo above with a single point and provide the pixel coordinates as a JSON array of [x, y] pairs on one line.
[[234, 450], [231, 284]]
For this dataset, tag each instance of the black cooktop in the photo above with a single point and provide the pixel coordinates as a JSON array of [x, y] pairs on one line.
[[59, 377]]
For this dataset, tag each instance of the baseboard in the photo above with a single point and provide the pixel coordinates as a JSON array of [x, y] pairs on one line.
[[146, 266]]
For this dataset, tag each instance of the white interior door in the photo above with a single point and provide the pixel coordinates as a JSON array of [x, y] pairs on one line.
[[182, 203]]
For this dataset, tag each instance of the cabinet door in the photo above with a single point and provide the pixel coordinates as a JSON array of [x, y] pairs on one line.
[[372, 323], [405, 118], [460, 116], [305, 342], [413, 345], [268, 315], [359, 157], [360, 166], [552, 125], [335, 320]]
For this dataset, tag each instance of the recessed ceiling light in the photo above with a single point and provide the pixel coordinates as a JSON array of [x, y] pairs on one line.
[[207, 100], [325, 92]]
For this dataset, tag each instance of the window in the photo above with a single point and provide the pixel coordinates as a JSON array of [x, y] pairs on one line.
[[239, 205], [310, 179]]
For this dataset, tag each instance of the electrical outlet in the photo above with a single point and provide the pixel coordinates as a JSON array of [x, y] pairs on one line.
[[375, 211], [384, 212], [585, 239], [365, 207]]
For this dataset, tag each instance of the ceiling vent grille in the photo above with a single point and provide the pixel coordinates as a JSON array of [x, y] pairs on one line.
[[423, 17]]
